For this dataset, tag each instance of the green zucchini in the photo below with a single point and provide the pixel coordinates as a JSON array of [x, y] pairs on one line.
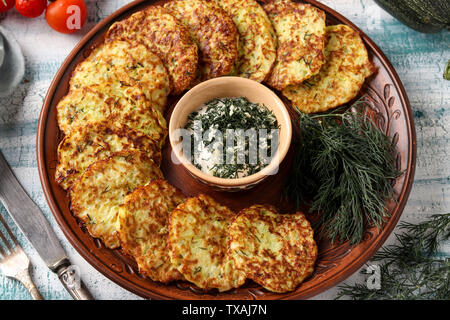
[[447, 71], [428, 16]]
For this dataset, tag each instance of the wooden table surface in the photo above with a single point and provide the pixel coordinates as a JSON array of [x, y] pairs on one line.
[[418, 58]]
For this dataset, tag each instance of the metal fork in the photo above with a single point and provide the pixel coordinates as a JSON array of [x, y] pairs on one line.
[[14, 263]]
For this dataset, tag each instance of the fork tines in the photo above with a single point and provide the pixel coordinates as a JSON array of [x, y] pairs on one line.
[[5, 241]]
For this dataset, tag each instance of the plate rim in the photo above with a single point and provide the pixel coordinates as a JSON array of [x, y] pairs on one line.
[[324, 284]]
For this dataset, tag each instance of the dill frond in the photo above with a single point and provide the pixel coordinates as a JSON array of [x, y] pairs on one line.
[[411, 269], [343, 168]]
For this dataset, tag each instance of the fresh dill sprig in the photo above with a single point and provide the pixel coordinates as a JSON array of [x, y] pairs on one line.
[[344, 168], [411, 269]]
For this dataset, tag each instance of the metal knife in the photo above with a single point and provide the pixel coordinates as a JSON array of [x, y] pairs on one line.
[[31, 221]]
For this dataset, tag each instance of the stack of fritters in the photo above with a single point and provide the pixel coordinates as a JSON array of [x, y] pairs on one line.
[[300, 29], [317, 67], [101, 189], [204, 242], [114, 127], [164, 35], [112, 119], [214, 33]]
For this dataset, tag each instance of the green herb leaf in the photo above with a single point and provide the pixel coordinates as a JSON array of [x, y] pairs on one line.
[[197, 269]]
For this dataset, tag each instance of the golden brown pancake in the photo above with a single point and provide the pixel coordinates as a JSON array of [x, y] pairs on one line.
[[144, 228], [275, 250], [198, 241]]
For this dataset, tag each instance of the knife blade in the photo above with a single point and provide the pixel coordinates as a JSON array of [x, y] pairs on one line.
[[33, 224]]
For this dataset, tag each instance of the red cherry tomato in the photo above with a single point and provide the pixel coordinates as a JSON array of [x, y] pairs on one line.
[[66, 16], [5, 5], [31, 8]]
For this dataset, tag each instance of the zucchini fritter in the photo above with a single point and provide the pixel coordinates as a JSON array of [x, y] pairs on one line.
[[198, 240], [300, 29], [275, 250], [214, 33], [126, 104], [118, 62], [167, 37], [95, 141], [101, 189], [144, 228], [340, 79], [257, 39]]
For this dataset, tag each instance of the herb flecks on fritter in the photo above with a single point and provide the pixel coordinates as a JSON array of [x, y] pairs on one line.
[[126, 105]]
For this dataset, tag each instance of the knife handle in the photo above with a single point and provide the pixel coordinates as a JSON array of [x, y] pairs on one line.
[[72, 282]]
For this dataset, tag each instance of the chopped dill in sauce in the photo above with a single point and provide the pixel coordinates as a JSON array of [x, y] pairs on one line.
[[232, 137]]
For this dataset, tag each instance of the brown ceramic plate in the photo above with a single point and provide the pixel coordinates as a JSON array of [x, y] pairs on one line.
[[335, 263]]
